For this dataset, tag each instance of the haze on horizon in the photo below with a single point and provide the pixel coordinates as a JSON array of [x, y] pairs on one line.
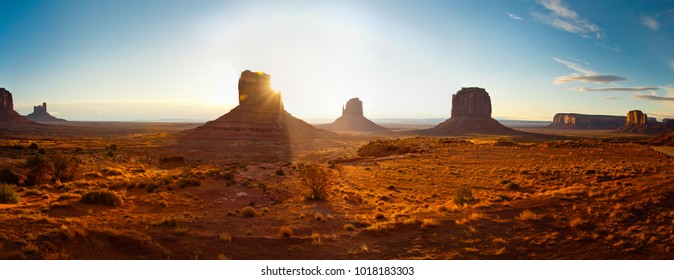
[[147, 60]]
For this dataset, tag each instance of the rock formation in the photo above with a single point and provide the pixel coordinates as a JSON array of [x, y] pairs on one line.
[[7, 113], [259, 117], [582, 121], [471, 114], [638, 122], [40, 114], [353, 120]]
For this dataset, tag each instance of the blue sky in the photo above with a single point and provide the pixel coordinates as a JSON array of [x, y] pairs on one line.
[[148, 60]]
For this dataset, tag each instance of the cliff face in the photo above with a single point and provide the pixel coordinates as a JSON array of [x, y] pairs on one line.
[[471, 101], [353, 120], [471, 114], [7, 113], [581, 121], [40, 114]]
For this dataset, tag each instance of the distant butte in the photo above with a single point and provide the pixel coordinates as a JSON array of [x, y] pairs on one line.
[[471, 114], [7, 113], [353, 120], [638, 122], [260, 116], [40, 114]]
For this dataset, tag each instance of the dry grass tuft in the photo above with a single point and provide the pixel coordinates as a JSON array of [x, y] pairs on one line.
[[8, 194], [285, 231], [429, 222], [349, 227], [528, 215], [225, 237], [577, 221]]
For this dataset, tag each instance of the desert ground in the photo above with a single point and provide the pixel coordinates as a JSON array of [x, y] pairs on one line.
[[131, 191]]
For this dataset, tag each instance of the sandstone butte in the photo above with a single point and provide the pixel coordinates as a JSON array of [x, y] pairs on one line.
[[353, 120], [7, 113], [471, 114], [40, 114], [638, 122], [260, 116]]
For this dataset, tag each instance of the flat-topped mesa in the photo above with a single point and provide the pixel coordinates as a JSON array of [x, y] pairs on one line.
[[583, 121], [40, 114], [471, 101], [255, 91], [7, 113], [353, 107]]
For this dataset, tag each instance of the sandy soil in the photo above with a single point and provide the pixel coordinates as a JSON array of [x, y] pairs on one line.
[[585, 198]]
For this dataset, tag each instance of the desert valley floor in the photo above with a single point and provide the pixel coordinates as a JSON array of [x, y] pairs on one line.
[[598, 195]]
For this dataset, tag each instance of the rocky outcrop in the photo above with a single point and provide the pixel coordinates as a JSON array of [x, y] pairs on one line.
[[471, 102], [259, 117], [7, 113], [582, 121], [255, 91], [471, 114], [638, 122], [40, 114], [353, 120]]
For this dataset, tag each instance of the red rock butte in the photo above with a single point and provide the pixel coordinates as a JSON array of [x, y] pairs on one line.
[[471, 114], [259, 117], [638, 122], [40, 114], [353, 120], [7, 113]]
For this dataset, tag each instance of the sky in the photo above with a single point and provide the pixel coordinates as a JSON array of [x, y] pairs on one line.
[[130, 60]]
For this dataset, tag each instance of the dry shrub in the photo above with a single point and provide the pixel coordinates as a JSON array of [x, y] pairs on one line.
[[65, 167], [248, 212], [104, 197], [9, 176], [8, 195], [40, 170], [349, 227], [317, 179], [109, 171], [285, 231], [463, 196], [388, 147]]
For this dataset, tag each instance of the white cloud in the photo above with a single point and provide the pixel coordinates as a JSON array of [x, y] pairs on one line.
[[512, 16], [584, 75], [616, 89], [671, 64], [650, 22], [575, 66], [562, 17], [669, 95]]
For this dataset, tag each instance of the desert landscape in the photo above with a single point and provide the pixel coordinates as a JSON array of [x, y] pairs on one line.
[[433, 130], [258, 183]]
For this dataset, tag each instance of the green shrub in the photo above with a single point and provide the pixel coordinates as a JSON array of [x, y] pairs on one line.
[[8, 195], [104, 197], [9, 176], [463, 195]]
